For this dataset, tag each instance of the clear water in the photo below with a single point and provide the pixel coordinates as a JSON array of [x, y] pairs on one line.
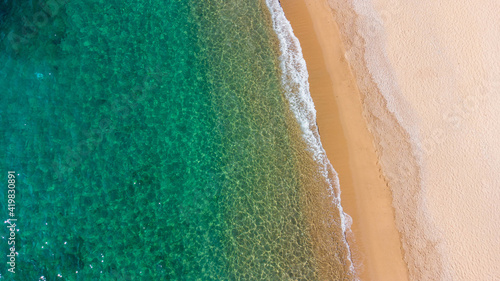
[[153, 141]]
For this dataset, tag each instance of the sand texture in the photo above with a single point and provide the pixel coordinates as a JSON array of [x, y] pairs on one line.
[[374, 240], [428, 74]]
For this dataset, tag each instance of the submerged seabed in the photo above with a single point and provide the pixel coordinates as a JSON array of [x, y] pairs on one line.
[[155, 141]]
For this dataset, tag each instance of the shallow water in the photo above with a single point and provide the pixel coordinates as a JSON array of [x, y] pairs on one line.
[[154, 141]]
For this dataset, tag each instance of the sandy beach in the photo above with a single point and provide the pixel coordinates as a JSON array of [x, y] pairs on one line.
[[428, 73], [424, 159], [365, 196]]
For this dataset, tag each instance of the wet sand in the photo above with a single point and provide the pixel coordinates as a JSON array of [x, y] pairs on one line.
[[433, 65], [375, 242]]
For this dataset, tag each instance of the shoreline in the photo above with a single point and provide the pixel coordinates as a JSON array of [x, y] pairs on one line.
[[375, 242], [320, 186]]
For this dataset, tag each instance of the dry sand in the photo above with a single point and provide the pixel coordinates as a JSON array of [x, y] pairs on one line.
[[429, 78], [349, 145]]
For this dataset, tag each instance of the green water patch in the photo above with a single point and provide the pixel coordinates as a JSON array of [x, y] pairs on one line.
[[266, 232], [152, 142]]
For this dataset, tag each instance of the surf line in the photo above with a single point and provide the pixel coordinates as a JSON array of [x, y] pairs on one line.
[[295, 82]]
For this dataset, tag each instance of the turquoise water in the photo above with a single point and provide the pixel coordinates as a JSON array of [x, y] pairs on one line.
[[152, 141]]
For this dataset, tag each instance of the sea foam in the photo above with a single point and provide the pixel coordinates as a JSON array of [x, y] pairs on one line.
[[296, 85]]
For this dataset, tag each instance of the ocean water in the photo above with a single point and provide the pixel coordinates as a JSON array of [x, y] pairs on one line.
[[162, 140]]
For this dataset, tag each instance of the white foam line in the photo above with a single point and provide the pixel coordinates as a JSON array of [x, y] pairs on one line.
[[296, 85]]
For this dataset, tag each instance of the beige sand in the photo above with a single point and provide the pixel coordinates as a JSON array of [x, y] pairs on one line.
[[430, 81], [365, 196]]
